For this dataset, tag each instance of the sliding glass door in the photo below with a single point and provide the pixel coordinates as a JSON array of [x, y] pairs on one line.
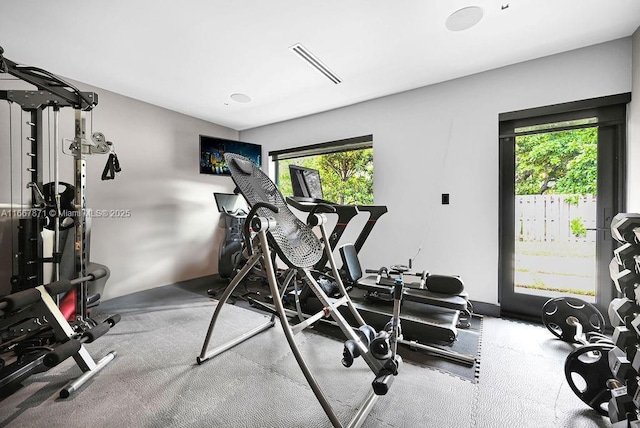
[[561, 179]]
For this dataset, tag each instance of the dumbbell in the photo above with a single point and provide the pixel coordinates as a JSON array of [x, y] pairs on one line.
[[634, 325], [620, 365], [635, 394], [623, 225], [626, 282], [624, 316], [621, 308], [625, 255], [624, 269], [627, 339], [621, 406]]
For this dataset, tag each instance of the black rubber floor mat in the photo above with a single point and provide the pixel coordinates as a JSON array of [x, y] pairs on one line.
[[468, 341]]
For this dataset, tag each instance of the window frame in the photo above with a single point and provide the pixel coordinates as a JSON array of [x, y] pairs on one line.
[[336, 146]]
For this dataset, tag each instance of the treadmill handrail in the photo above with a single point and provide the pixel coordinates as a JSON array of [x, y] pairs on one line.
[[307, 204]]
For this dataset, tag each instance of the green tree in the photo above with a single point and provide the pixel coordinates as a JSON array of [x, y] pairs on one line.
[[561, 162], [347, 177]]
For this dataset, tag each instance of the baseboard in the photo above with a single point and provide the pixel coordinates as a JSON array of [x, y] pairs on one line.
[[198, 281], [482, 308], [489, 309]]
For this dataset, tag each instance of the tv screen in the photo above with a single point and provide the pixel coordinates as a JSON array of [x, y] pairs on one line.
[[230, 202], [212, 150], [305, 182]]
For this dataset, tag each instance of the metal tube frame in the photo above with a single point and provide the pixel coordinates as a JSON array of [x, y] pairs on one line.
[[63, 331], [80, 248], [51, 92], [448, 355], [83, 378], [56, 182], [205, 354], [263, 253], [334, 270]]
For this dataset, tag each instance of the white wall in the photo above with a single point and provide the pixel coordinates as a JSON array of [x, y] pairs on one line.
[[172, 234], [633, 153], [444, 139]]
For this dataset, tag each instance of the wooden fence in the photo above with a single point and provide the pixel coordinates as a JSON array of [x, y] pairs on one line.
[[545, 218]]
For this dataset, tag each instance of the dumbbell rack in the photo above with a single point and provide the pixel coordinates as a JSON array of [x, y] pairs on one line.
[[624, 315]]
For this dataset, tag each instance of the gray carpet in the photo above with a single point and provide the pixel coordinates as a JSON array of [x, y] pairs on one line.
[[154, 381]]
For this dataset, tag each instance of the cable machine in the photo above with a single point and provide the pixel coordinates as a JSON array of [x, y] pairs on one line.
[[43, 325], [49, 208]]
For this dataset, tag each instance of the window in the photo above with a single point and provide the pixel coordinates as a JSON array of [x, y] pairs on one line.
[[345, 166]]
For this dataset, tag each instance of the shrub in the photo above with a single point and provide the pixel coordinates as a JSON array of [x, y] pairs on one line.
[[577, 227]]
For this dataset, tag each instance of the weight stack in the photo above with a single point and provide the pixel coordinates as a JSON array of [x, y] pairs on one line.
[[29, 254], [624, 315]]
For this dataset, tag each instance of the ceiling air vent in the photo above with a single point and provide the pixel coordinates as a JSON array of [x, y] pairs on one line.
[[315, 62]]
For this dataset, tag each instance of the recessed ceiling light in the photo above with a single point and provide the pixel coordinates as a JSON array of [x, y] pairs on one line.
[[241, 98], [464, 18]]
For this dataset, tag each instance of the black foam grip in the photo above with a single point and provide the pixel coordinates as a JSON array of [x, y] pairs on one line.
[[98, 273], [382, 383], [61, 353], [397, 290], [58, 287], [312, 220], [97, 331], [113, 320], [21, 299]]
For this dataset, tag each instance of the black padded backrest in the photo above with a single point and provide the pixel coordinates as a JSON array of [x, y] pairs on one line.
[[445, 284], [350, 262], [294, 241]]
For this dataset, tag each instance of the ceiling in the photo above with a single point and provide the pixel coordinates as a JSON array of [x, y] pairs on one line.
[[190, 56]]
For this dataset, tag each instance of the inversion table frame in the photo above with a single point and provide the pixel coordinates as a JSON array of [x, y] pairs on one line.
[[275, 226]]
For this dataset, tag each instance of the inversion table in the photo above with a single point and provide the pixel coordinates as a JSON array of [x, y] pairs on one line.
[[276, 228]]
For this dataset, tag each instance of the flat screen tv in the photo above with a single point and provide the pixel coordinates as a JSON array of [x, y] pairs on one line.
[[212, 150], [230, 202]]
